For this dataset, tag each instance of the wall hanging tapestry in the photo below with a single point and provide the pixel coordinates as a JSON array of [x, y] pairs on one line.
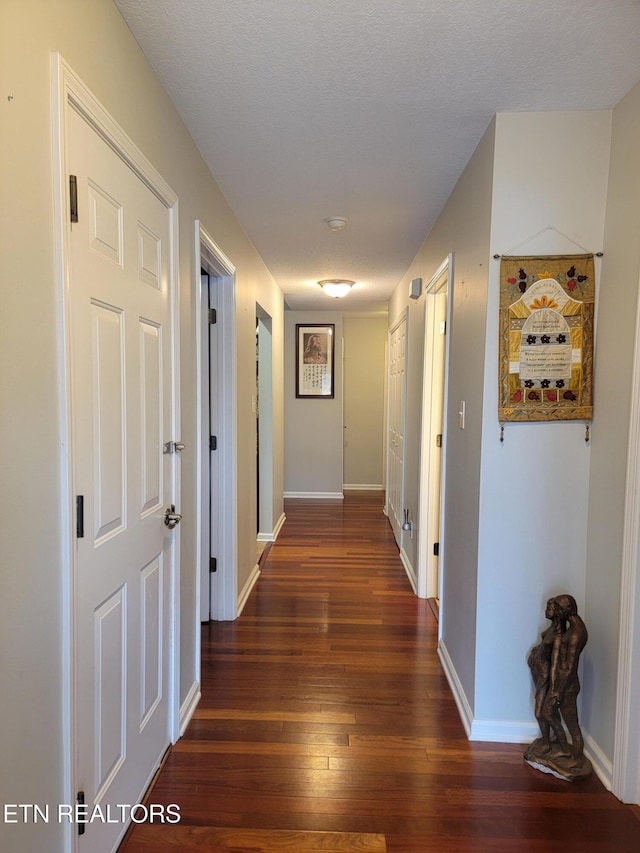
[[547, 307]]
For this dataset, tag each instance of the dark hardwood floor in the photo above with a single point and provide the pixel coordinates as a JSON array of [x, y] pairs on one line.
[[326, 723]]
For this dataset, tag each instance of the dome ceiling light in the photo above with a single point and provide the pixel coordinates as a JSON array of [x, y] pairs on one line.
[[336, 287], [336, 223]]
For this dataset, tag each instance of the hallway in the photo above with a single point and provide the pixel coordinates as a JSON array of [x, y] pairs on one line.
[[326, 722]]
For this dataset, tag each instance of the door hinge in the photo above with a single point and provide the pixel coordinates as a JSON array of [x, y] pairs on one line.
[[81, 823], [439, 440], [213, 442], [79, 516], [213, 316], [443, 327], [73, 198], [436, 549], [213, 564]]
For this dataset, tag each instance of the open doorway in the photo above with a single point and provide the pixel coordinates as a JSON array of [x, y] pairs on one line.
[[264, 430], [216, 527], [433, 438]]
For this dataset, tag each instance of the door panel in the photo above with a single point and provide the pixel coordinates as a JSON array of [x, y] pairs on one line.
[[151, 414], [109, 441], [151, 638], [111, 689], [105, 223], [121, 398]]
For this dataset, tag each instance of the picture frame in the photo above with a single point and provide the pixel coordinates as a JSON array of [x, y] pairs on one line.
[[315, 351]]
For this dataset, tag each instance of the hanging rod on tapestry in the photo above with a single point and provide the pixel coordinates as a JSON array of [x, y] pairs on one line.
[[542, 231], [595, 255]]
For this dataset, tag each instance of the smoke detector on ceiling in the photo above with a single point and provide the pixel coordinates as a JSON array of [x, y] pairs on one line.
[[336, 223]]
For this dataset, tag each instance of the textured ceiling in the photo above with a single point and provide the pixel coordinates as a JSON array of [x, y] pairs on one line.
[[369, 109]]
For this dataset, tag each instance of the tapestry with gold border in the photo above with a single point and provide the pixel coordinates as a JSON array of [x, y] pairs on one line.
[[547, 309]]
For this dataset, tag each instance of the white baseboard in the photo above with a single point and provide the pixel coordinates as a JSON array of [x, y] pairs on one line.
[[490, 731], [271, 537], [464, 709], [278, 527], [363, 487], [409, 570], [602, 766], [501, 731], [246, 592], [315, 495], [504, 731], [189, 706]]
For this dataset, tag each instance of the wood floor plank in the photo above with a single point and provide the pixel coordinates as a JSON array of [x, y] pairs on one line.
[[224, 840], [327, 724], [283, 716]]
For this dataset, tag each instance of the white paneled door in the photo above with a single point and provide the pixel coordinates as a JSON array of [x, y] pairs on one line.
[[396, 415], [121, 414]]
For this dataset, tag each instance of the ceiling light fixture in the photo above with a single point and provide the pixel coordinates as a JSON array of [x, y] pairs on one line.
[[336, 287], [336, 223]]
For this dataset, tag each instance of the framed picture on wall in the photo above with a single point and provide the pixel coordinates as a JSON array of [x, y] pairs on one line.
[[314, 361]]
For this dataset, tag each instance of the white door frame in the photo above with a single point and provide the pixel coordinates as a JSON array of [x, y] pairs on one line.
[[441, 279], [626, 750], [68, 92], [210, 257]]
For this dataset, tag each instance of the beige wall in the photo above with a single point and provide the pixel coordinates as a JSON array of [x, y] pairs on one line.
[[364, 365], [93, 39], [313, 428]]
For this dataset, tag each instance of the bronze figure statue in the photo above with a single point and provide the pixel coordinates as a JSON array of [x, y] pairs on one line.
[[554, 667]]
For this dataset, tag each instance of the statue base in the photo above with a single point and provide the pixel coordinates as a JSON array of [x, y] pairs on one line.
[[553, 760]]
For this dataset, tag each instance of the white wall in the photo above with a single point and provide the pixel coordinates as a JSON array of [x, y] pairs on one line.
[[612, 386], [95, 41], [364, 365], [313, 428], [550, 170], [516, 513], [462, 228]]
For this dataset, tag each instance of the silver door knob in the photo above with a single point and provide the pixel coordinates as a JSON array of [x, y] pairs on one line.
[[172, 518]]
